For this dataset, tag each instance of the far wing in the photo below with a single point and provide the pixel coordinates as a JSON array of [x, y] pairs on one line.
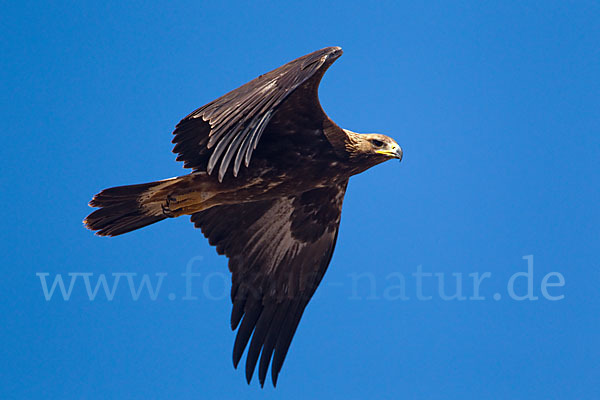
[[278, 252], [228, 129]]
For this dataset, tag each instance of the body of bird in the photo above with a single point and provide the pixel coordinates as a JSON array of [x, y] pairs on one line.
[[270, 171]]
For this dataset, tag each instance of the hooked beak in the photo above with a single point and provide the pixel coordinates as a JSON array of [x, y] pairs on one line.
[[398, 153], [394, 151]]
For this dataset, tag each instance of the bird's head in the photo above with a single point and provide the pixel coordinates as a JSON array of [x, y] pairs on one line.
[[373, 148]]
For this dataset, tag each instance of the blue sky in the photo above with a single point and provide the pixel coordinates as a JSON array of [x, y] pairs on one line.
[[496, 108]]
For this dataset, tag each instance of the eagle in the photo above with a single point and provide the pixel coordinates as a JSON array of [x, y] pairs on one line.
[[269, 171]]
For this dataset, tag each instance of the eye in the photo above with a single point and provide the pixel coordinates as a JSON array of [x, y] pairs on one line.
[[376, 143]]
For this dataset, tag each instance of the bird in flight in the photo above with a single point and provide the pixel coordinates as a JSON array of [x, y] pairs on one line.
[[269, 174]]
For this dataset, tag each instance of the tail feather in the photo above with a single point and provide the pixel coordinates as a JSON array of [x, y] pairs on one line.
[[121, 210]]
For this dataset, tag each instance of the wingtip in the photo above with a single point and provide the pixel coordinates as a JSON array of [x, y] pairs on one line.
[[335, 51], [274, 375]]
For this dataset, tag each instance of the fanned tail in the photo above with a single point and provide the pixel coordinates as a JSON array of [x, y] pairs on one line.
[[122, 209]]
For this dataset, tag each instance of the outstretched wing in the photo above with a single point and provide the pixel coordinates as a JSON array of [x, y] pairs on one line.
[[228, 129], [278, 252]]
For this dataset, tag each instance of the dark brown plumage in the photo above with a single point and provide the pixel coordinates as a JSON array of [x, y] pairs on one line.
[[270, 171]]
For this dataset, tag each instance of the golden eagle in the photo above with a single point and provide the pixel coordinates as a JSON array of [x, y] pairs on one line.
[[276, 217]]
